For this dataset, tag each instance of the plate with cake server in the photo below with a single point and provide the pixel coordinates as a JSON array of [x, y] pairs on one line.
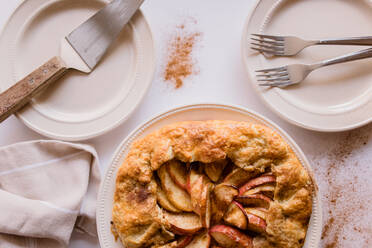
[[78, 106]]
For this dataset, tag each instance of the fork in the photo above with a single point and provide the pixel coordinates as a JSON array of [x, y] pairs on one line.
[[294, 74], [291, 45]]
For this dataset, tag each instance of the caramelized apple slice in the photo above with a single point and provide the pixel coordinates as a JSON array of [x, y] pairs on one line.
[[217, 211], [178, 173], [258, 181], [183, 223], [225, 193], [256, 200], [206, 209], [235, 216], [255, 223], [214, 170], [201, 240], [164, 202], [184, 241], [238, 176], [175, 194], [200, 189], [194, 177], [227, 236], [223, 196], [195, 186], [267, 190], [260, 212]]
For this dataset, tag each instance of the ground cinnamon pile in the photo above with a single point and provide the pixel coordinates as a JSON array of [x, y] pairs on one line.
[[347, 192], [180, 62]]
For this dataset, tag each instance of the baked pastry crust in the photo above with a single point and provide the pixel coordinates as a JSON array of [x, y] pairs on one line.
[[138, 220]]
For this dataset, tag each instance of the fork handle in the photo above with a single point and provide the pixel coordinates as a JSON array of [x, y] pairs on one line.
[[357, 41], [363, 54]]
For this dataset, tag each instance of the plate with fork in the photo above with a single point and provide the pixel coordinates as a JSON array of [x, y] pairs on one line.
[[319, 53]]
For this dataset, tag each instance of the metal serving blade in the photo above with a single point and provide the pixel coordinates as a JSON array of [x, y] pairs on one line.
[[92, 38]]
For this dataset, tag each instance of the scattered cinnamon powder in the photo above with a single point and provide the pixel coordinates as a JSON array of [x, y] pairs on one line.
[[180, 62], [347, 191]]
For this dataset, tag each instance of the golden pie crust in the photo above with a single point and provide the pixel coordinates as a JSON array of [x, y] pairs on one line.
[[252, 147]]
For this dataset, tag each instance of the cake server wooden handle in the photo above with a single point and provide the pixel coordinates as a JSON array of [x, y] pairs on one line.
[[21, 93]]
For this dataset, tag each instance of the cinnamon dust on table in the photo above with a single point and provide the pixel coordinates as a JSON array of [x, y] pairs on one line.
[[347, 196], [180, 62]]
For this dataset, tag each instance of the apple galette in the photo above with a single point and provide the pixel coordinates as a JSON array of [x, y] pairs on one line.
[[212, 184]]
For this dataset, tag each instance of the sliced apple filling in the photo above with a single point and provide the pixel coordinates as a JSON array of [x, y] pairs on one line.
[[214, 204]]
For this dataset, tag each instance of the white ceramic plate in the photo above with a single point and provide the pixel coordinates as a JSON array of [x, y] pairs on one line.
[[188, 113], [79, 106], [333, 98]]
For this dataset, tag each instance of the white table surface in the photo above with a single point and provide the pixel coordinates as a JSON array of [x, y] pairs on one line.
[[222, 78]]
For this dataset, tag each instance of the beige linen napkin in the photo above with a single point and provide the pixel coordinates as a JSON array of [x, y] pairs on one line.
[[46, 189]]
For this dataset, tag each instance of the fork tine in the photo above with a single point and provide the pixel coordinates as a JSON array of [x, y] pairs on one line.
[[268, 47], [279, 79], [276, 43], [277, 84], [272, 79], [273, 37], [282, 68], [273, 74], [261, 50]]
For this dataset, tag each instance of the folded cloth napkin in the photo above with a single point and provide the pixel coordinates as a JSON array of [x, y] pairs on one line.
[[46, 189]]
